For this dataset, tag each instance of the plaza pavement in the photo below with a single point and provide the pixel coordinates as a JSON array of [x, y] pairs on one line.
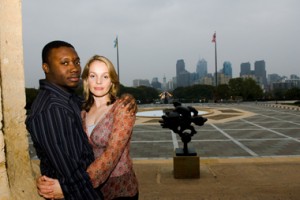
[[247, 151]]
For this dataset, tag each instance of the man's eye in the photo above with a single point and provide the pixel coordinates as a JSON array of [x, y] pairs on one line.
[[77, 62], [65, 63]]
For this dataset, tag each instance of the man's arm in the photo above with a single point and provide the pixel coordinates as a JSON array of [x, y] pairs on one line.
[[62, 142]]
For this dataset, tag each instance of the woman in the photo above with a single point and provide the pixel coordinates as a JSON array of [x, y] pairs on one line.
[[109, 128]]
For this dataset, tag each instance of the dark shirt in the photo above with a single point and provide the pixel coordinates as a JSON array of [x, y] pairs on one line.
[[62, 146]]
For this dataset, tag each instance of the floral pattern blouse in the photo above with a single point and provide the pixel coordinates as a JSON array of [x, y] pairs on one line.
[[112, 169]]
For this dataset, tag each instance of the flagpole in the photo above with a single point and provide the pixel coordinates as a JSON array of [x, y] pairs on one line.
[[216, 65]]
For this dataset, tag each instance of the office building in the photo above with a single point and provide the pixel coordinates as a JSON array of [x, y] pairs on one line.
[[201, 69], [260, 73], [227, 69], [183, 76], [141, 82], [245, 69]]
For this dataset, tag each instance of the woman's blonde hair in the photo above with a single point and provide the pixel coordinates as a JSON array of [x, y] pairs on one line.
[[88, 96]]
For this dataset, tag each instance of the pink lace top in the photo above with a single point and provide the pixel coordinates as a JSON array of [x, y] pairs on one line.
[[110, 140]]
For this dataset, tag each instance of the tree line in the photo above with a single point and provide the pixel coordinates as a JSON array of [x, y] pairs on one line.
[[238, 89]]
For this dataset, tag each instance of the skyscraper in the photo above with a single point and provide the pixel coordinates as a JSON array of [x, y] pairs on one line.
[[183, 76], [227, 69], [155, 83], [245, 69], [260, 72], [201, 68], [180, 67]]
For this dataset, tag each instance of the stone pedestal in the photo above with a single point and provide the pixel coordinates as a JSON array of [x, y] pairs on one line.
[[186, 167]]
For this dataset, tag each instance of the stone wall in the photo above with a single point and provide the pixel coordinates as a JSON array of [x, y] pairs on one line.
[[16, 175]]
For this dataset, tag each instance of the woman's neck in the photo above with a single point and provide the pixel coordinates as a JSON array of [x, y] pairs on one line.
[[101, 101]]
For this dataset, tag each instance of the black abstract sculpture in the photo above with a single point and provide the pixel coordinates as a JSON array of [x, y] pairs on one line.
[[180, 120]]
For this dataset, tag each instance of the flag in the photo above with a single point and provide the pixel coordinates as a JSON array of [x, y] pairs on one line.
[[214, 38], [116, 42]]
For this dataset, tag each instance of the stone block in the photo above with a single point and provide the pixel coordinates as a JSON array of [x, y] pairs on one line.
[[186, 167]]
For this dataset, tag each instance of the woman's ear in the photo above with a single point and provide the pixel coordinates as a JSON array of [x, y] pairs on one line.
[[45, 67]]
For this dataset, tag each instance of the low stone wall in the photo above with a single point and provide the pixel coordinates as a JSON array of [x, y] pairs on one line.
[[289, 107]]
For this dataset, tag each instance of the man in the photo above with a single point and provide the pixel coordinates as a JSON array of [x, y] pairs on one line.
[[55, 123]]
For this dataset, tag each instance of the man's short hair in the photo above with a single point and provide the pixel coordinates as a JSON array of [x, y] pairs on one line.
[[52, 45]]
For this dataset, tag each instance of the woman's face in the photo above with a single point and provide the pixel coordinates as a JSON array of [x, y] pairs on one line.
[[99, 81]]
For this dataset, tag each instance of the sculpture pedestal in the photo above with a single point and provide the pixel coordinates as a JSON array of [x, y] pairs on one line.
[[186, 167]]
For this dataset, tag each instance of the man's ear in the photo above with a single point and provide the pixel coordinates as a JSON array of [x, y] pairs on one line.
[[45, 67]]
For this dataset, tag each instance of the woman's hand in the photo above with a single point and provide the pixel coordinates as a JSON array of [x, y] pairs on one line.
[[49, 188]]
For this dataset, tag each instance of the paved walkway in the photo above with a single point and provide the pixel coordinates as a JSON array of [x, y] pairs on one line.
[[222, 179], [247, 151], [233, 130]]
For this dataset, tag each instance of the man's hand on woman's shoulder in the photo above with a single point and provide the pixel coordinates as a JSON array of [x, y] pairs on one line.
[[128, 101]]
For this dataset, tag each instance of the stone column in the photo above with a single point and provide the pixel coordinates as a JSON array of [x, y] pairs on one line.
[[16, 178], [4, 189]]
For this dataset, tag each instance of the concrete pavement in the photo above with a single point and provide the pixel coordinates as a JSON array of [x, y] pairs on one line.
[[247, 151]]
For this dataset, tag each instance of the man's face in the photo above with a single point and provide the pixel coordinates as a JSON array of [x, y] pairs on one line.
[[63, 67]]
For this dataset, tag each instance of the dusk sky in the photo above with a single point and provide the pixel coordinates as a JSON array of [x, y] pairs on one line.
[[153, 35]]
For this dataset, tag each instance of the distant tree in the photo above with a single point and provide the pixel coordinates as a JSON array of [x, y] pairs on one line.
[[30, 94], [148, 94], [193, 93], [251, 90], [179, 93], [293, 94], [246, 88], [236, 86], [279, 94], [142, 93], [223, 92]]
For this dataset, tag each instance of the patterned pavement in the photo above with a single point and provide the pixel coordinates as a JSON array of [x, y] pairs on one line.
[[262, 132], [267, 132]]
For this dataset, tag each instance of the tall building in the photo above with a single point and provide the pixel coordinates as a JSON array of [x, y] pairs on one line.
[[294, 76], [260, 73], [223, 79], [180, 67], [182, 76], [141, 82], [273, 78], [227, 69], [201, 69], [183, 80], [245, 69], [155, 83], [164, 85]]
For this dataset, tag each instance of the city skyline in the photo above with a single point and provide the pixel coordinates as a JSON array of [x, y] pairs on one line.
[[241, 72], [153, 35]]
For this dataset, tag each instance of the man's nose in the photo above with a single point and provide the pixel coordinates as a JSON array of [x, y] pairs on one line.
[[75, 67]]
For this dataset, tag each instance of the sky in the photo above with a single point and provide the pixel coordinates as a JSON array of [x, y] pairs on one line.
[[153, 35]]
